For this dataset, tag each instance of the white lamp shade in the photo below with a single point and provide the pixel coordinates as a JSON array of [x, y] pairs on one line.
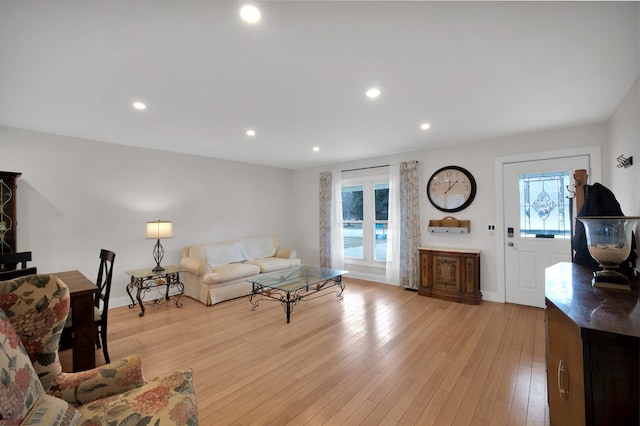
[[159, 229]]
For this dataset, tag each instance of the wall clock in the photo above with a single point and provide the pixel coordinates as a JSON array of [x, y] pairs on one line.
[[451, 189]]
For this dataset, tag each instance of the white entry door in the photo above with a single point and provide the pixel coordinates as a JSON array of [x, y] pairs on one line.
[[538, 223]]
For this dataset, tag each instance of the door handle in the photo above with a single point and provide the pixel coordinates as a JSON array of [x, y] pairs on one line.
[[510, 244]]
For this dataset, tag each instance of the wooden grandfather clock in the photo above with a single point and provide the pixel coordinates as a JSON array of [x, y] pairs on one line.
[[8, 212]]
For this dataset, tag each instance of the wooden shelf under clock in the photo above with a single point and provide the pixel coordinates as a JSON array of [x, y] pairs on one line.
[[450, 225]]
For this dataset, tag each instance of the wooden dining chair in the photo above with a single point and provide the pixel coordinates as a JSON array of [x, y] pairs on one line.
[[101, 300], [9, 263], [101, 306]]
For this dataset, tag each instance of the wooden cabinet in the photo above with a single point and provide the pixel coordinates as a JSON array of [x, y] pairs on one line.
[[450, 274], [8, 212], [593, 350]]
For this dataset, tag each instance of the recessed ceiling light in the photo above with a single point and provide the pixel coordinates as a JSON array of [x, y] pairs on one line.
[[139, 105], [251, 132], [316, 148], [373, 92], [250, 14], [425, 126]]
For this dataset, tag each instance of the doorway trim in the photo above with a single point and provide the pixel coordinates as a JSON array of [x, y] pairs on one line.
[[595, 175]]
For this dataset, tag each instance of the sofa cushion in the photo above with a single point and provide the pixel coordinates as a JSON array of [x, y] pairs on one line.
[[270, 264], [20, 388], [223, 253], [231, 271], [255, 248]]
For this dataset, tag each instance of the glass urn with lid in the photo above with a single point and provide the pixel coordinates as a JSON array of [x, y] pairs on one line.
[[609, 243]]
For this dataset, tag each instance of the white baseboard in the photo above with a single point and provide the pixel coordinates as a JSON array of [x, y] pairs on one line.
[[368, 277], [491, 296], [119, 301]]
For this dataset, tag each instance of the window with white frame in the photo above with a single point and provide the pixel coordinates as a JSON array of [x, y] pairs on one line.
[[365, 214]]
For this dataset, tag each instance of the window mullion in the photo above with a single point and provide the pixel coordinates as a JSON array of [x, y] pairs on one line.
[[367, 226]]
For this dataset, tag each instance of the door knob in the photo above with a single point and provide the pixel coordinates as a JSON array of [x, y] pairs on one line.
[[510, 244]]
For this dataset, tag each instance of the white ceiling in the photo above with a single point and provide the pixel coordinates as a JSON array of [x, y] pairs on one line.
[[473, 70]]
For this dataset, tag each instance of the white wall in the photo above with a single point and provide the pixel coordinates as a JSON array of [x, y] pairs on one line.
[[77, 196], [478, 158], [624, 139]]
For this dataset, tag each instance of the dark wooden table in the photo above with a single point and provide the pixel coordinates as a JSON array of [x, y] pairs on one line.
[[593, 349], [81, 290]]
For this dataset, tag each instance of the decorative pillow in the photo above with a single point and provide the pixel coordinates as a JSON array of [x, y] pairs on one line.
[[37, 306], [20, 388], [255, 248], [167, 400], [223, 253]]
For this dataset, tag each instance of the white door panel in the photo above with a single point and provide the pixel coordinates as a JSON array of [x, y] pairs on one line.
[[526, 257]]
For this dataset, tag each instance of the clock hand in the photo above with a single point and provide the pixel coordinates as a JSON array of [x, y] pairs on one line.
[[451, 186]]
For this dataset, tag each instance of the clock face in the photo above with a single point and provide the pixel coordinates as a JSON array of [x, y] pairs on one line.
[[451, 189]]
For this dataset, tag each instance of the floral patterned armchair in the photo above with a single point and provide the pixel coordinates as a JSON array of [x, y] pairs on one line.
[[34, 390]]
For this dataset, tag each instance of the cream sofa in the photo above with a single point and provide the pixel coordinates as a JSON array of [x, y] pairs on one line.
[[218, 272]]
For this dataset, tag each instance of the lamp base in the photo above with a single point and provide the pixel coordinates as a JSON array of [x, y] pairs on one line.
[[610, 279], [158, 254]]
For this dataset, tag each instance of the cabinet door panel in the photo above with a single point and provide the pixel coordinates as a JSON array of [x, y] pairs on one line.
[[446, 272], [470, 278], [564, 369], [614, 395]]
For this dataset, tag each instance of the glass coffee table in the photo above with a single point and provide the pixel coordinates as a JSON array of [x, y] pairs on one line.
[[291, 286]]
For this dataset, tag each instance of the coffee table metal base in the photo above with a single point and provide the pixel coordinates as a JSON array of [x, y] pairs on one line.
[[288, 299]]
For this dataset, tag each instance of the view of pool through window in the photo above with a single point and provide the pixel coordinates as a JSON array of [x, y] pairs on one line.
[[365, 215]]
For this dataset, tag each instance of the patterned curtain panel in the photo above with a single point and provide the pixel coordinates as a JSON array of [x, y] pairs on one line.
[[409, 225], [325, 219], [393, 234]]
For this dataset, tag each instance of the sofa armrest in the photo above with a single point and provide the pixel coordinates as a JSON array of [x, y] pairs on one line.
[[111, 379], [167, 400], [195, 266], [285, 253]]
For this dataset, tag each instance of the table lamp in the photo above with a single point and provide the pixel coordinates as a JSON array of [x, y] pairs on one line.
[[159, 229]]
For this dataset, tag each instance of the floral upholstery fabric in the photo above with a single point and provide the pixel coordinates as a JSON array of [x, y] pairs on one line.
[[52, 411], [88, 386], [20, 388], [22, 397], [165, 401], [37, 306], [113, 394]]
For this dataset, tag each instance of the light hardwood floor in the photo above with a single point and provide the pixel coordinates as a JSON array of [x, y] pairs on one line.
[[383, 355]]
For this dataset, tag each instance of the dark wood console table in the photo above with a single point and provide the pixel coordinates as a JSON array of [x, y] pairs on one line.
[[593, 349], [450, 274]]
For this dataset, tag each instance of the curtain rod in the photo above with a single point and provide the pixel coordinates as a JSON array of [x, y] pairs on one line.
[[365, 168]]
